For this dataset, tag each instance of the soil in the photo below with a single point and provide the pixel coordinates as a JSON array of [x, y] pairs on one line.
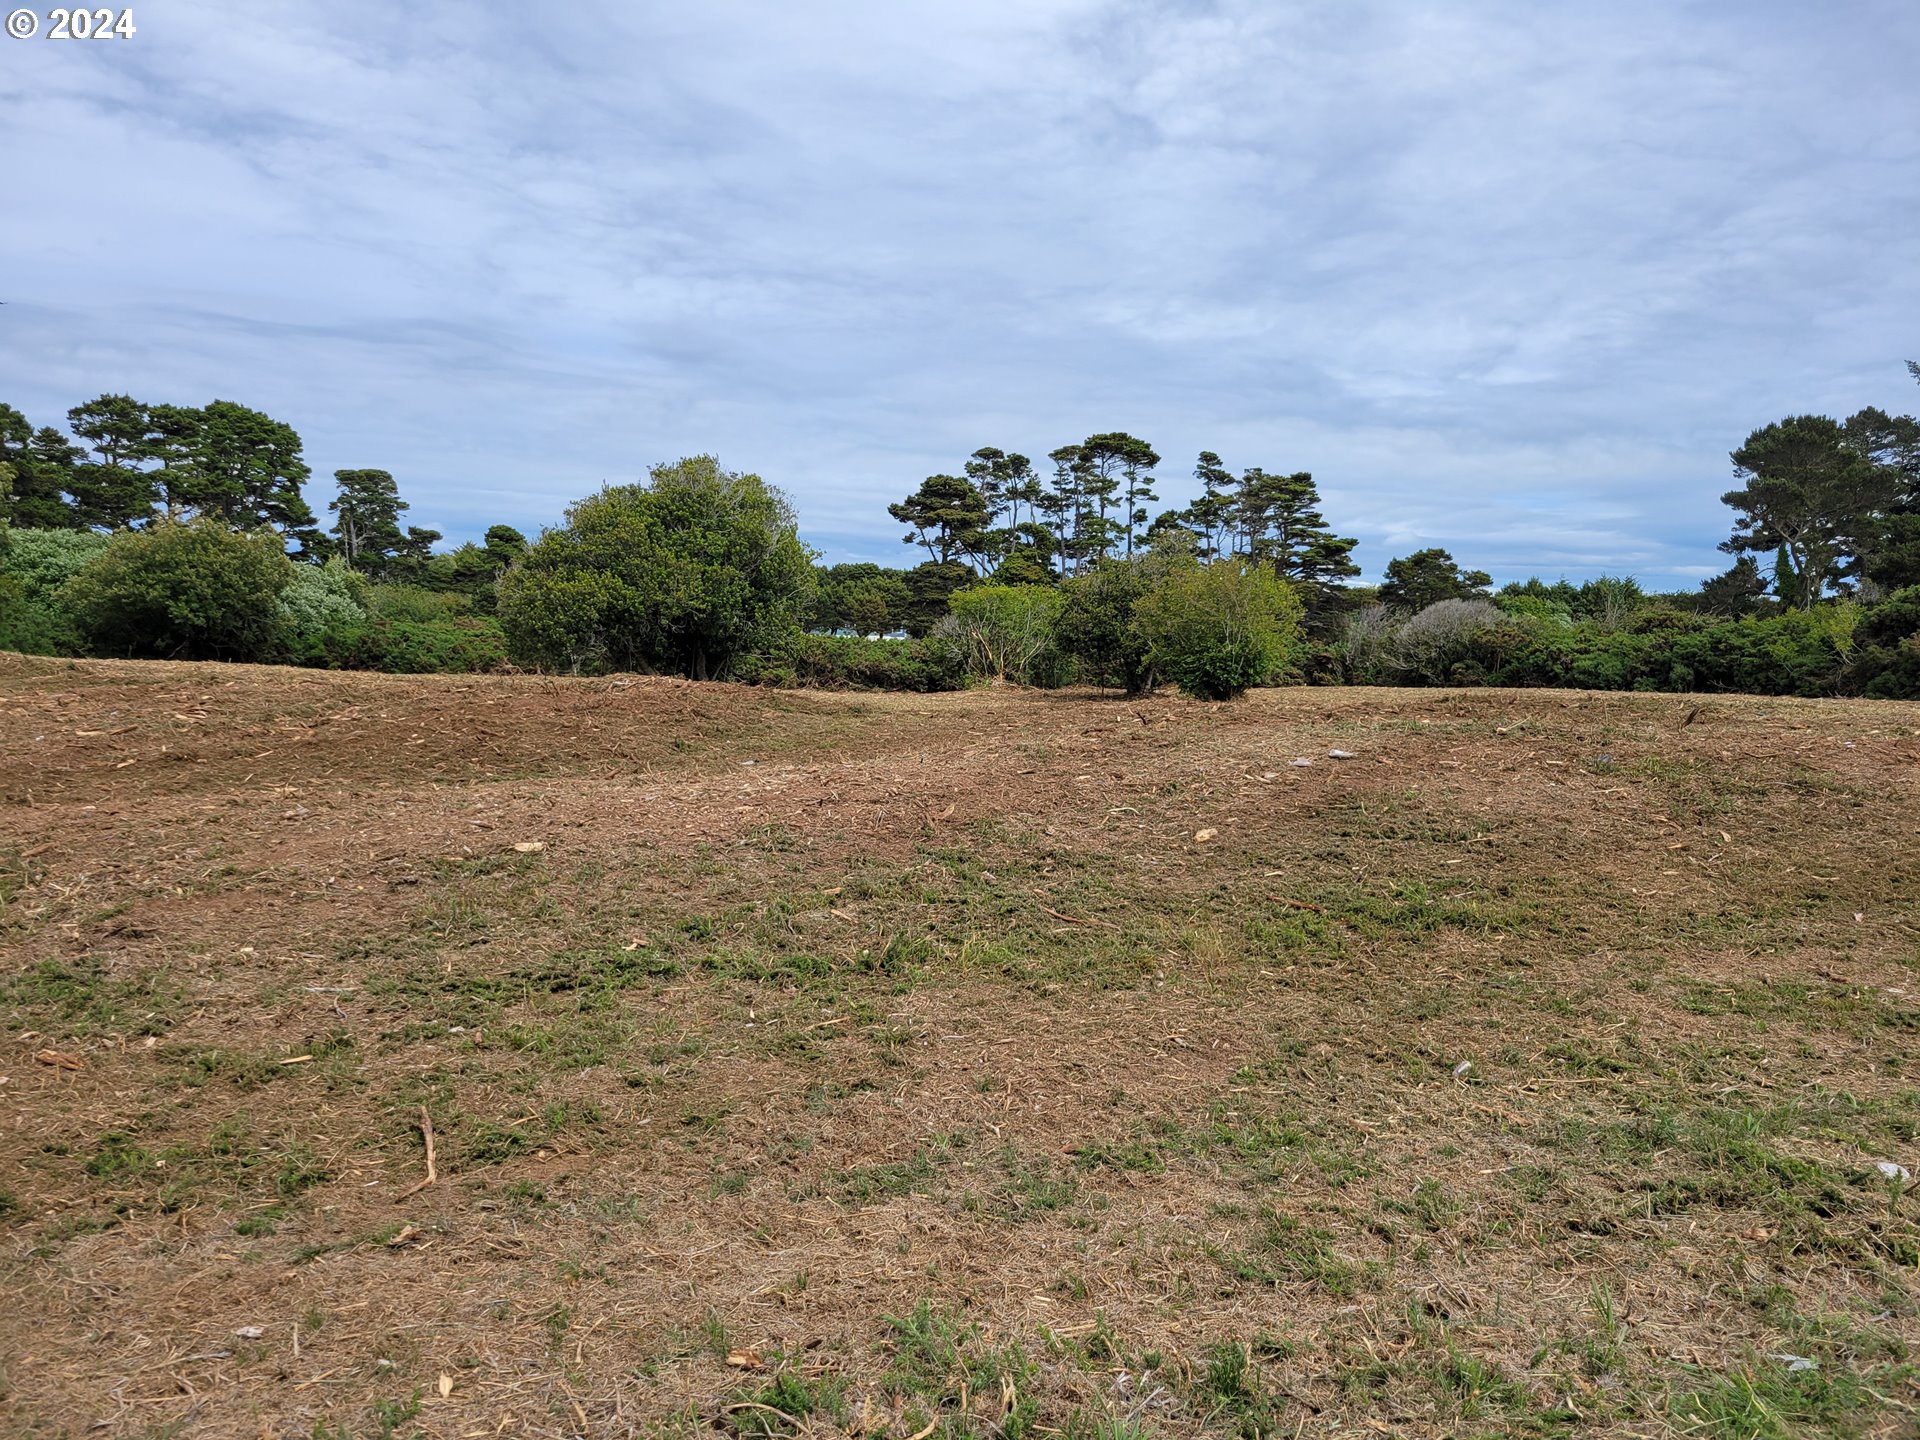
[[1007, 1062]]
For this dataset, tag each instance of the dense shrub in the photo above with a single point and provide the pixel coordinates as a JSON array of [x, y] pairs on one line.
[[1218, 629], [839, 662], [1004, 632], [322, 611], [1444, 644], [861, 597], [21, 621], [455, 645], [1363, 649], [1887, 664], [34, 626], [197, 591], [1097, 627], [1790, 653], [44, 560], [682, 574]]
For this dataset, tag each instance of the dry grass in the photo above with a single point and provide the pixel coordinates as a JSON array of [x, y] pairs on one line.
[[1525, 1074]]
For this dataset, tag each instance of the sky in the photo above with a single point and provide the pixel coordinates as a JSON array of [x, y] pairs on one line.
[[1507, 277]]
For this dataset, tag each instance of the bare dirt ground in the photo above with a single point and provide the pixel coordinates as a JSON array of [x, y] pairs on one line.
[[996, 1064]]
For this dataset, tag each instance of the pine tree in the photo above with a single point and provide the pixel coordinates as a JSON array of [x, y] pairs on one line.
[[247, 469], [1281, 517], [42, 462], [115, 489], [1211, 516], [948, 516], [366, 522]]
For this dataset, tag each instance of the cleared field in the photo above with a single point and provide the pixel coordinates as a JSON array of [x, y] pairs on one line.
[[1002, 1063]]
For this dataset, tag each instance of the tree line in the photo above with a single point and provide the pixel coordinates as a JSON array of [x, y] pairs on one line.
[[111, 542]]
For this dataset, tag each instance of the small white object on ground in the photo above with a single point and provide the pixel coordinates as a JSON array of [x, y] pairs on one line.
[[1341, 755], [1795, 1363], [1300, 762], [1462, 1068], [531, 847], [1892, 1171], [249, 1332]]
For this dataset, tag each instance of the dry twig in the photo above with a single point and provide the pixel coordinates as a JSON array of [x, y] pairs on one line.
[[426, 1132]]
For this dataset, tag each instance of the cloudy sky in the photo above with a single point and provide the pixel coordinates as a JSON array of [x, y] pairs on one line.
[[1508, 277]]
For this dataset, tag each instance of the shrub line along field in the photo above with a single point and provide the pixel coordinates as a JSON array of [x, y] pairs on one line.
[[1002, 1063]]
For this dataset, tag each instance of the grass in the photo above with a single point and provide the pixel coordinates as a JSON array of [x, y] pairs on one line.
[[84, 999]]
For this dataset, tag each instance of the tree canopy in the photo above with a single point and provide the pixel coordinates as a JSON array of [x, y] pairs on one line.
[[679, 574], [1429, 576], [1812, 496]]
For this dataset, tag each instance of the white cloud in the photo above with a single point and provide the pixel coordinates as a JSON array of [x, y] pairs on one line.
[[1506, 277]]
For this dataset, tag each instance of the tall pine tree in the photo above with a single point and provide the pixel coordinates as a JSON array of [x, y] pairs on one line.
[[366, 524]]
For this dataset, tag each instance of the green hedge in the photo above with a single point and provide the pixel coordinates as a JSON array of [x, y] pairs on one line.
[[836, 662], [460, 645]]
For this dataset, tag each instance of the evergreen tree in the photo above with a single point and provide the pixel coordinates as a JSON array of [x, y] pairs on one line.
[[1006, 483], [366, 524], [949, 517], [1062, 504], [1281, 517], [504, 545], [1211, 516], [44, 480], [1120, 468], [1812, 497], [247, 470], [1740, 591], [1427, 577], [42, 466], [173, 440], [413, 554], [1891, 558], [115, 489]]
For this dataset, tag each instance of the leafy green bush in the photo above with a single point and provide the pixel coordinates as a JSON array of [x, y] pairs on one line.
[[1887, 664], [682, 574], [322, 611], [840, 662], [33, 626], [44, 560], [1790, 653], [197, 591], [415, 604], [1004, 632], [455, 645], [1218, 629], [1097, 626]]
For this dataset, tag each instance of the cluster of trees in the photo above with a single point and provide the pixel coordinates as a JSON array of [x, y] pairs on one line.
[[138, 462], [175, 531], [1001, 520]]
